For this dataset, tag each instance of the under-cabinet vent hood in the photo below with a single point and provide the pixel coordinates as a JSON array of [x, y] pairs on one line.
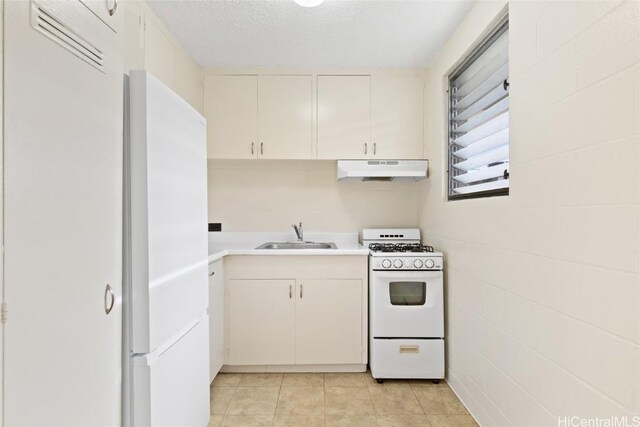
[[382, 170]]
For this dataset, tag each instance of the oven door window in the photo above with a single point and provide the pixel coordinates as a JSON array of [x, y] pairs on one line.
[[408, 293]]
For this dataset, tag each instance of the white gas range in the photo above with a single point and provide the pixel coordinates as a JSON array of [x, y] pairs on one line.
[[406, 305]]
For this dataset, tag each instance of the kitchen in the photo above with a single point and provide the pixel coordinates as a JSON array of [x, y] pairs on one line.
[[510, 286]]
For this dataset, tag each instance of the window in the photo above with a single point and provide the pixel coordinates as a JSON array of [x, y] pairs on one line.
[[479, 120]]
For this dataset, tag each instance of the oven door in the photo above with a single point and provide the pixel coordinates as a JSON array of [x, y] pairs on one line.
[[407, 304]]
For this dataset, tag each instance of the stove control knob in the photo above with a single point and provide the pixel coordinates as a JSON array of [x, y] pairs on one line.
[[417, 263], [429, 263], [386, 263], [397, 263]]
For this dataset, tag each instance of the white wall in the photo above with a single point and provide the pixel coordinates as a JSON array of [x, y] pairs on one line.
[[264, 195], [543, 286]]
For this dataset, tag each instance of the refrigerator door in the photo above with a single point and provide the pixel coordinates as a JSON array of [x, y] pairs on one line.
[[171, 386], [168, 193]]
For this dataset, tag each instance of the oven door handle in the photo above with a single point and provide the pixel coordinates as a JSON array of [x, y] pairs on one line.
[[404, 274]]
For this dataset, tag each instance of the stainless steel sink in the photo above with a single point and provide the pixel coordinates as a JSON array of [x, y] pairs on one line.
[[297, 245]]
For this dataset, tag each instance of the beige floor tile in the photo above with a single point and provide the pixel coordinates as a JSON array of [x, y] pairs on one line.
[[220, 398], [347, 401], [337, 420], [287, 420], [394, 399], [254, 401], [261, 380], [347, 379], [439, 400], [451, 421], [303, 380], [226, 380], [215, 421], [301, 400], [247, 420], [402, 420]]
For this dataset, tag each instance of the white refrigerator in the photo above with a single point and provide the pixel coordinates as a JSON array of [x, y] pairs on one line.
[[166, 332]]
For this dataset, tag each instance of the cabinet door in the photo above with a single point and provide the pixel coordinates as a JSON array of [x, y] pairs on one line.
[[344, 112], [397, 117], [261, 322], [216, 318], [285, 117], [329, 321], [231, 109], [63, 198]]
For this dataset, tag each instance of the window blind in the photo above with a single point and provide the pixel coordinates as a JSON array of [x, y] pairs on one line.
[[479, 121]]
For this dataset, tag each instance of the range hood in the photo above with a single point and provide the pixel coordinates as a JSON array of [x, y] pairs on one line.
[[382, 170]]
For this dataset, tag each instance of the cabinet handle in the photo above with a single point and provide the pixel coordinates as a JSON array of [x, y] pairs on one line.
[[290, 292], [113, 9], [300, 291], [212, 273], [365, 148], [261, 148], [374, 148], [252, 144], [109, 299]]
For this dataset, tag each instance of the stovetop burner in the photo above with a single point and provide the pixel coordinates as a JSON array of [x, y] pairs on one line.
[[400, 247]]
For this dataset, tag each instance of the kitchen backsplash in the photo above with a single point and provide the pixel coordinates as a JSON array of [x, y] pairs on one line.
[[270, 195]]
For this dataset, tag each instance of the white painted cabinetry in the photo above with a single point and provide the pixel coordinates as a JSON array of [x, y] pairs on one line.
[[216, 318], [261, 322], [328, 321], [344, 111], [259, 117], [296, 313], [370, 117], [397, 116], [285, 117], [231, 110], [63, 151]]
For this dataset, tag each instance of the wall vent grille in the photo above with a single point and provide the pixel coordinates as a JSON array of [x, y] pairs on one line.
[[44, 22]]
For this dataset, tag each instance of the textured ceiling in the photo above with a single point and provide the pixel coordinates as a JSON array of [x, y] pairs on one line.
[[338, 33]]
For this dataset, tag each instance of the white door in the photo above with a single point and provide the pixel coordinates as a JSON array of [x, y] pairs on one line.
[[285, 117], [63, 216], [329, 321], [407, 304], [216, 318], [108, 11], [344, 116], [231, 109], [261, 322], [397, 116]]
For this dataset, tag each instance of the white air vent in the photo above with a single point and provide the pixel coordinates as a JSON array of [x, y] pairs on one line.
[[44, 22]]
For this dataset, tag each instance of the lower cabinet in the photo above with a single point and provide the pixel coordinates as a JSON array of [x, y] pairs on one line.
[[261, 322], [216, 318], [283, 312], [328, 321]]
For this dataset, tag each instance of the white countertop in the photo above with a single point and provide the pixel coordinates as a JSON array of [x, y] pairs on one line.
[[241, 243]]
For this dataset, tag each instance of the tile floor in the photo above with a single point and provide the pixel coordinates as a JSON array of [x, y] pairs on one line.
[[309, 400]]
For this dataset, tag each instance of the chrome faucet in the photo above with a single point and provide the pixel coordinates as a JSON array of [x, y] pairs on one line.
[[299, 232]]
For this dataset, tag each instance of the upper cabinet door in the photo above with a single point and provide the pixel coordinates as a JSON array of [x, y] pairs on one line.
[[231, 109], [344, 111], [397, 116], [285, 117], [109, 11]]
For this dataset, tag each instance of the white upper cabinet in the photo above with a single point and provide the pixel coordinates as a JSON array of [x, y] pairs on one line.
[[108, 11], [285, 117], [397, 116], [344, 111], [231, 109]]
